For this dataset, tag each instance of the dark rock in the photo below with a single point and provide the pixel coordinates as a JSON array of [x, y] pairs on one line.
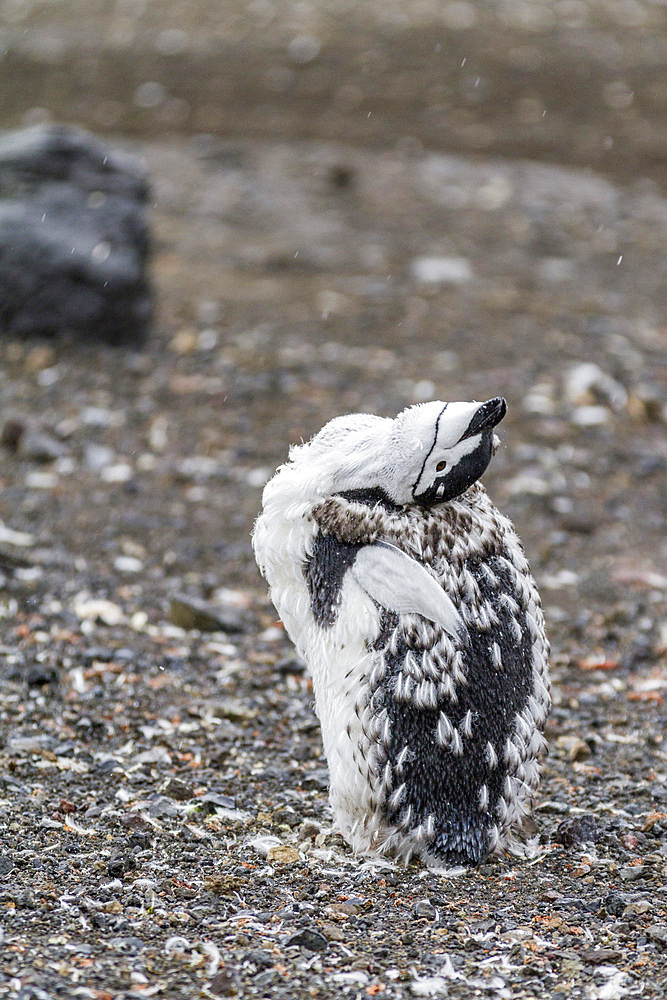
[[260, 958], [290, 665], [24, 898], [615, 903], [223, 984], [577, 830], [309, 939], [177, 789], [424, 909], [39, 674], [211, 801], [657, 933], [287, 815], [127, 945], [39, 446], [632, 873], [600, 956], [6, 864], [118, 864], [109, 764], [192, 613], [317, 778], [74, 238], [161, 807], [11, 435]]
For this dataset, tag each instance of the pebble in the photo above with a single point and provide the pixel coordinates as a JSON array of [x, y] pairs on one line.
[[97, 456], [632, 873], [283, 854], [309, 939], [586, 381], [182, 791], [576, 830], [100, 610], [286, 815], [590, 416], [424, 909], [657, 933], [224, 984], [192, 613], [575, 747], [39, 446], [128, 564], [442, 270]]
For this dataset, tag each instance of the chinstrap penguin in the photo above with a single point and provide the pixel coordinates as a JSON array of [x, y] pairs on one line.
[[409, 596]]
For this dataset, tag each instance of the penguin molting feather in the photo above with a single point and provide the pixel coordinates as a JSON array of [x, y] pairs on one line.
[[409, 596]]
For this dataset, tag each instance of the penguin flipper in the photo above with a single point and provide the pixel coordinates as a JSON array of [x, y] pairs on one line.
[[399, 583]]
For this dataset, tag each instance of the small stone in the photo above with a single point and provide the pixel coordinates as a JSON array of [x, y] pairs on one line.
[[97, 456], [577, 830], [637, 908], [657, 933], [212, 801], [161, 807], [223, 984], [102, 611], [590, 416], [259, 957], [587, 383], [177, 789], [332, 931], [286, 815], [40, 674], [632, 873], [442, 270], [127, 945], [575, 747], [317, 779], [11, 435], [128, 564], [600, 956], [303, 49], [50, 824], [224, 884], [309, 939], [424, 909], [6, 864], [24, 898], [38, 446], [309, 829], [615, 903], [118, 864], [192, 613], [283, 854]]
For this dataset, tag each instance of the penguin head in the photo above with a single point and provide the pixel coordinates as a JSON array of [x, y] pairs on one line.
[[428, 454], [452, 443]]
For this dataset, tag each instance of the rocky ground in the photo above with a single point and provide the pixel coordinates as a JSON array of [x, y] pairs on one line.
[[163, 795]]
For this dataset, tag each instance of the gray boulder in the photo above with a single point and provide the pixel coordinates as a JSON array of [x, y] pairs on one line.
[[74, 237]]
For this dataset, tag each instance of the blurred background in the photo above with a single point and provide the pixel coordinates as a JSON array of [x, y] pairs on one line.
[[356, 207]]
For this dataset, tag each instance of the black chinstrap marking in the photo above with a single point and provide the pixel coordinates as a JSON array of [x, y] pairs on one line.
[[324, 572], [372, 497], [437, 781], [466, 472]]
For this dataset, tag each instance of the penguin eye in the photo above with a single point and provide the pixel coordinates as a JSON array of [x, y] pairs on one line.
[[440, 466]]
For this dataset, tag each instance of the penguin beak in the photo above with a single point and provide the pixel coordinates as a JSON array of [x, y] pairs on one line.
[[486, 416]]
